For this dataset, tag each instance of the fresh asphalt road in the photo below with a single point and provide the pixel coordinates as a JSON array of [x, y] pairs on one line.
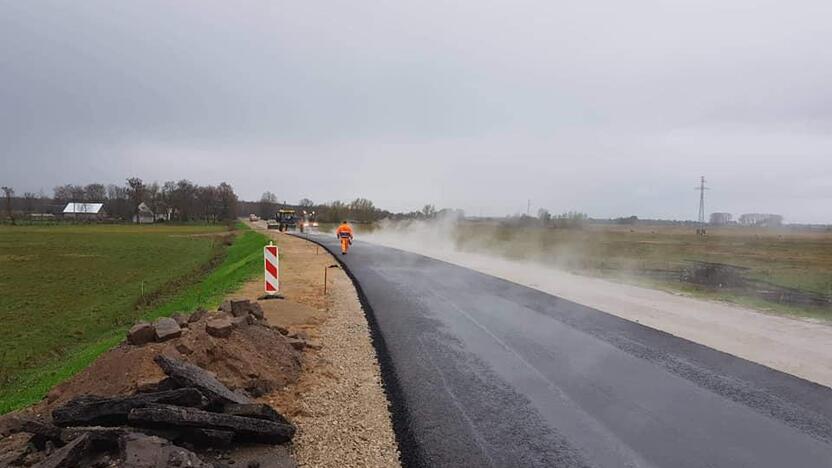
[[485, 372]]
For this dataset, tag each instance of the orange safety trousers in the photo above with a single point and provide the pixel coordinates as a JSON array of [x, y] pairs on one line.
[[345, 244]]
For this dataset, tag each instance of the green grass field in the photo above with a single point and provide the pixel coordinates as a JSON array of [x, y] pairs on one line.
[[69, 292]]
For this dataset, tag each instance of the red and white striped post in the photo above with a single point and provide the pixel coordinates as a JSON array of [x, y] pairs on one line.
[[272, 268]]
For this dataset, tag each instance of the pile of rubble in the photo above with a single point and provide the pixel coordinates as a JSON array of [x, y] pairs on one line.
[[179, 392], [240, 313], [237, 314], [190, 408]]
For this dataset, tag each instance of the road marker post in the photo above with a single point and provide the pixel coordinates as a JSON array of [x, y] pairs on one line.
[[271, 269]]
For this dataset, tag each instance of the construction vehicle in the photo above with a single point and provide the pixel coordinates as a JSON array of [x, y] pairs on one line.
[[287, 219], [308, 222]]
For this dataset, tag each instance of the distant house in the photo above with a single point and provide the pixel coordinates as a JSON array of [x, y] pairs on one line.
[[720, 219], [145, 215], [87, 211], [761, 219]]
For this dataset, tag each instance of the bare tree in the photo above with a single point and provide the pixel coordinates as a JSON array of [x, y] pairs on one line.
[[118, 202], [136, 194], [68, 193], [570, 219], [544, 216], [184, 201], [207, 197], [152, 198], [362, 210], [181, 201], [29, 199], [76, 193], [61, 194], [9, 193], [166, 199], [95, 193], [268, 205], [429, 211], [228, 202]]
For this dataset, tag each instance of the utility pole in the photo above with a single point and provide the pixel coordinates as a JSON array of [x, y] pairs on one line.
[[529, 207], [701, 230]]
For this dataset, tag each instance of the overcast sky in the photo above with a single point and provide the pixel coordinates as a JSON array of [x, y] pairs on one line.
[[609, 107]]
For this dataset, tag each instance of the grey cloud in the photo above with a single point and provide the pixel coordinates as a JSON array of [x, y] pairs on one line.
[[614, 108]]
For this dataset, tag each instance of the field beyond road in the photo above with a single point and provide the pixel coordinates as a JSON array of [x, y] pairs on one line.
[[780, 270], [67, 292]]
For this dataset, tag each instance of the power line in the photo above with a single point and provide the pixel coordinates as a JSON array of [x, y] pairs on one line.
[[701, 230]]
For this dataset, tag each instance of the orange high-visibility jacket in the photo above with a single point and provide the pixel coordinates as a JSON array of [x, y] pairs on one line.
[[344, 230]]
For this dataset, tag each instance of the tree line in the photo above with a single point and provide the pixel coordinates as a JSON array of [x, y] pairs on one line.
[[179, 201], [359, 210], [184, 201], [568, 220]]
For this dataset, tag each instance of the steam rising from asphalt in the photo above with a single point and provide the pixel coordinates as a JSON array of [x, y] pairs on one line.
[[520, 255], [523, 255], [437, 236], [447, 238]]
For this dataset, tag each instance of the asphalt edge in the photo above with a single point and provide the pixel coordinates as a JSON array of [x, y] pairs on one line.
[[409, 454]]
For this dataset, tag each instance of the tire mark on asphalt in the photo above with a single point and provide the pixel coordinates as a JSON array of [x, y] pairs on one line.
[[478, 436], [592, 423]]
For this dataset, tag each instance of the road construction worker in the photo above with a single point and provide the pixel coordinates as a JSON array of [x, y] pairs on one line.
[[344, 232]]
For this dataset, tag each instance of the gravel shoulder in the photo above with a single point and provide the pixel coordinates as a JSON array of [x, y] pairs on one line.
[[338, 404]]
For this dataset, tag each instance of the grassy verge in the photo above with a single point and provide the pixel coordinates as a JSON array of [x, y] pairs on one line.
[[238, 263]]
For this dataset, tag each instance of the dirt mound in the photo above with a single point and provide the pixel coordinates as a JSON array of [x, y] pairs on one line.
[[254, 357], [186, 379]]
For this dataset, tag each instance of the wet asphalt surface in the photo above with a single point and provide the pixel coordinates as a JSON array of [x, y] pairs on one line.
[[484, 372]]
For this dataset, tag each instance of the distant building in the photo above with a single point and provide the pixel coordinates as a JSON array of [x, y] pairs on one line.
[[84, 210], [145, 215], [41, 216], [761, 219], [720, 219]]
